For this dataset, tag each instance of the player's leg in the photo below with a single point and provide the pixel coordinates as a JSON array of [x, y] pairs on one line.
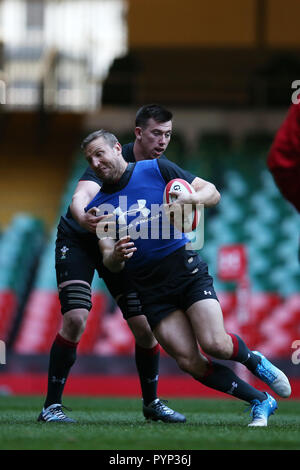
[[63, 352], [207, 320], [77, 293], [175, 334], [75, 297], [74, 273], [200, 302], [147, 356]]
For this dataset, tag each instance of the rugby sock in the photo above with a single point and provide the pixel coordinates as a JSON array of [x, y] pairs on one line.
[[147, 363], [62, 357], [241, 353], [223, 379]]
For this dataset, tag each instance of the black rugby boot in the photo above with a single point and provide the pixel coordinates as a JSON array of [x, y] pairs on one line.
[[158, 411]]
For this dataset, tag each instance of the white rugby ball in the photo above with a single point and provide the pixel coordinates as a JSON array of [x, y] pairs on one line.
[[187, 220]]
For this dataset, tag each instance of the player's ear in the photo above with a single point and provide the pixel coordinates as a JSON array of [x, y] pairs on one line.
[[138, 133], [118, 147]]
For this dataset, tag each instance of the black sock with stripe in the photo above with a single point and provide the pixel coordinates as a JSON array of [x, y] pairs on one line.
[[147, 363], [241, 353], [62, 358], [223, 379]]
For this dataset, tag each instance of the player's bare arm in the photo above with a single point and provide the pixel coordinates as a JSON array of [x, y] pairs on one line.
[[85, 191], [115, 253], [205, 193]]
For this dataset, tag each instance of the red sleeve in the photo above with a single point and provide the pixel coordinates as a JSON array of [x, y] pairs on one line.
[[284, 157]]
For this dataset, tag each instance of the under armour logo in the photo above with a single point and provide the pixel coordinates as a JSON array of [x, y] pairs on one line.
[[141, 207], [56, 380], [149, 381], [234, 386], [207, 292]]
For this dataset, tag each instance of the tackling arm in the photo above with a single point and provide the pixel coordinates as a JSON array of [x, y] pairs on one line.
[[206, 193], [85, 191]]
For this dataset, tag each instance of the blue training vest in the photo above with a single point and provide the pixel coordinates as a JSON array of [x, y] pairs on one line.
[[139, 213]]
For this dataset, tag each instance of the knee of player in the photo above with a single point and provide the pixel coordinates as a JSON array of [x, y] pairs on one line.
[[189, 363], [141, 331], [216, 347], [75, 322], [144, 337]]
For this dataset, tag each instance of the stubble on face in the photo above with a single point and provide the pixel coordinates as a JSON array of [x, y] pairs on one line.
[[106, 161], [153, 140]]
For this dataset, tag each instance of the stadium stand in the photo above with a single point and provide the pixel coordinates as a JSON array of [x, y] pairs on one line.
[[20, 247]]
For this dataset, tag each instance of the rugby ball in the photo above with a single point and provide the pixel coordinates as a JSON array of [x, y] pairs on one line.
[[185, 220]]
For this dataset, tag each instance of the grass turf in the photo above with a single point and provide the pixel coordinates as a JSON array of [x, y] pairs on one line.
[[115, 423]]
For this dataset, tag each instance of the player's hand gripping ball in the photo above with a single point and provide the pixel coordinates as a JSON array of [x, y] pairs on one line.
[[185, 218]]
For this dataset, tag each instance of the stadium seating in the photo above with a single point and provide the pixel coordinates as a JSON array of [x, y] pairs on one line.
[[256, 143], [20, 247]]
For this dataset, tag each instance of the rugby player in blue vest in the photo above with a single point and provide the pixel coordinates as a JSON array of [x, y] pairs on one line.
[[173, 285], [76, 260]]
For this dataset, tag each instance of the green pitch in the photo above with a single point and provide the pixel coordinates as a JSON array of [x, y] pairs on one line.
[[115, 423]]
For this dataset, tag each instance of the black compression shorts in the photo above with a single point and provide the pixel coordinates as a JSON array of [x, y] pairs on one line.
[[176, 282]]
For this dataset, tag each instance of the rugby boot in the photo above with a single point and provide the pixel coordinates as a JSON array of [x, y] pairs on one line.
[[262, 410], [272, 376], [158, 411], [54, 414]]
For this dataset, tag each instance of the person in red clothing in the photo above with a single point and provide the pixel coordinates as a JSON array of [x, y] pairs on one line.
[[284, 157]]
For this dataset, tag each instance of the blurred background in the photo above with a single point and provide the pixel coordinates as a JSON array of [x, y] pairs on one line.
[[68, 67]]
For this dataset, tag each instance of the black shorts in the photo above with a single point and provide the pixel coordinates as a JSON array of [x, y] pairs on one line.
[[77, 258], [177, 282]]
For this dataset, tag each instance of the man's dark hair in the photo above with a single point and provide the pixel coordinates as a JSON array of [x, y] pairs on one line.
[[108, 136], [154, 111]]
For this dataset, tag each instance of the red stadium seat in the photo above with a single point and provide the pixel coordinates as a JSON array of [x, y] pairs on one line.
[[228, 303], [263, 305], [116, 338], [281, 328], [41, 321], [8, 309]]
